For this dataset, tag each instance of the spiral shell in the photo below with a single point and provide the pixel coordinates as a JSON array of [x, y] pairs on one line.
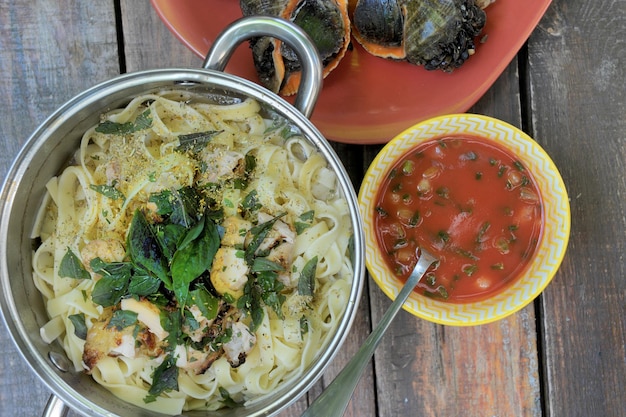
[[438, 34], [325, 21]]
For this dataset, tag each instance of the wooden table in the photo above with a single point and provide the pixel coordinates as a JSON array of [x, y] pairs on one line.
[[563, 355]]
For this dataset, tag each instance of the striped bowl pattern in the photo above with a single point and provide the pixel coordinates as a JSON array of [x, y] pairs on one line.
[[553, 241]]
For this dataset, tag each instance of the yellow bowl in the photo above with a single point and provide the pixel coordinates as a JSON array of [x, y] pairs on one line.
[[553, 240]]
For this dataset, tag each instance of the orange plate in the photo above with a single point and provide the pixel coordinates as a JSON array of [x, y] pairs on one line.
[[369, 100]]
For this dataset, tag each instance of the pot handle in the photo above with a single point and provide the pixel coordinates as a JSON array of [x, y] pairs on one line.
[[255, 26], [55, 407]]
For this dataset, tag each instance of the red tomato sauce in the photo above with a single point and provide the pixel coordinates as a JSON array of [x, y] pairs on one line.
[[471, 204]]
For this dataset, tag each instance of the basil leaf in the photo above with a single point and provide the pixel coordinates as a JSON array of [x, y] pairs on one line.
[[112, 268], [227, 400], [206, 302], [122, 319], [259, 232], [250, 203], [182, 205], [270, 291], [305, 220], [169, 235], [108, 191], [250, 161], [191, 235], [306, 283], [143, 121], [110, 289], [190, 321], [264, 264], [163, 201], [195, 142], [185, 207], [193, 258], [144, 248], [250, 302], [304, 326], [164, 379], [249, 167], [142, 285], [172, 324], [72, 267], [80, 327]]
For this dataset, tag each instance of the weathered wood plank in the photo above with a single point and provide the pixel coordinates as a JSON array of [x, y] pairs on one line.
[[148, 44], [576, 67], [49, 51], [433, 370]]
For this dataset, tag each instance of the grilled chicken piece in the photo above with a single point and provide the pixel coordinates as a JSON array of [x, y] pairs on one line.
[[104, 340]]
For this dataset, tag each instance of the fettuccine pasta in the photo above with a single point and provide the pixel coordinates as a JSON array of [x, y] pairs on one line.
[[193, 255]]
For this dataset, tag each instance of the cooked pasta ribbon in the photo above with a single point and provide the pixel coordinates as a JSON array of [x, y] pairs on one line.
[[198, 225]]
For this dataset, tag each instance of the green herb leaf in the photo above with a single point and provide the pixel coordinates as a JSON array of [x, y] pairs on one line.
[[72, 267], [250, 302], [113, 128], [270, 291], [441, 290], [108, 191], [304, 221], [264, 264], [172, 324], [481, 233], [195, 142], [143, 284], [408, 167], [113, 285], [80, 327], [191, 235], [227, 400], [194, 257], [466, 254], [259, 232], [182, 206], [143, 121], [144, 249], [250, 203], [110, 268], [109, 290], [250, 161], [206, 302], [304, 325], [122, 319], [306, 283], [469, 270], [415, 218], [439, 293], [443, 192], [169, 235], [164, 379]]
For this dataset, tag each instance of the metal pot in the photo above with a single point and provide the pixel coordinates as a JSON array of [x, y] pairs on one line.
[[51, 146]]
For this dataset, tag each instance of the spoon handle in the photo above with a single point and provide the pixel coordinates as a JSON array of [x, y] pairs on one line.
[[335, 398]]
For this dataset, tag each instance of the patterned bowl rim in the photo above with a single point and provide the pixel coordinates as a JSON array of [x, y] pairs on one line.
[[552, 244]]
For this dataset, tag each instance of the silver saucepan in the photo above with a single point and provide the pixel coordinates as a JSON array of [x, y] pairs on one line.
[[51, 146]]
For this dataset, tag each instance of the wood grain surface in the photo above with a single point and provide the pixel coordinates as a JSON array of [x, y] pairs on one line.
[[563, 355], [577, 85]]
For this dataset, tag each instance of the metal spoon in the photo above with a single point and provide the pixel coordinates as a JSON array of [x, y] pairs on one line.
[[335, 398]]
